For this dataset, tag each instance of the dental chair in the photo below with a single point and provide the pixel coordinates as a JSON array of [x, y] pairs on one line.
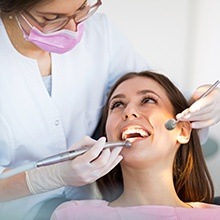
[[216, 200], [49, 206], [47, 209]]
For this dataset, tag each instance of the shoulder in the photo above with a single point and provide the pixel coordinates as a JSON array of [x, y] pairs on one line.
[[91, 202], [82, 203], [77, 208], [203, 205], [201, 211], [97, 19], [101, 24]]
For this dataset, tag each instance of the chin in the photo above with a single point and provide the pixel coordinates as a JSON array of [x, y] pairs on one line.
[[138, 145]]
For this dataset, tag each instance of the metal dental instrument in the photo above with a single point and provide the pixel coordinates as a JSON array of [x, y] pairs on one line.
[[69, 155], [58, 158], [171, 123]]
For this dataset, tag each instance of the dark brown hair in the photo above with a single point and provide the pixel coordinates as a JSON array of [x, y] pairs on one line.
[[14, 6], [191, 177]]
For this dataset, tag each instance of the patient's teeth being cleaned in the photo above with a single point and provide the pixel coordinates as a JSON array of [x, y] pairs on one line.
[[58, 158], [134, 133]]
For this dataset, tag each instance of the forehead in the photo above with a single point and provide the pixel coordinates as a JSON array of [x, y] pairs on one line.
[[59, 6], [139, 86], [139, 83]]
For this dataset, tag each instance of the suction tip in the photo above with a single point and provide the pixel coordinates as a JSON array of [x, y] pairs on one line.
[[170, 124]]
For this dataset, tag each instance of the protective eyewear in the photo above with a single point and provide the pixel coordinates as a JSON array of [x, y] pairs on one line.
[[88, 8]]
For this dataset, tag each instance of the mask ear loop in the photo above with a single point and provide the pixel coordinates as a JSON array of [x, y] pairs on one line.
[[25, 20], [18, 22], [25, 34]]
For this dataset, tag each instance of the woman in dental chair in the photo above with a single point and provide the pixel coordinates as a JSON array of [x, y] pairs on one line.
[[163, 175]]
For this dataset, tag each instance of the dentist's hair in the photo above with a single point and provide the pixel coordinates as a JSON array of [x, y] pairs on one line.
[[12, 6], [191, 177]]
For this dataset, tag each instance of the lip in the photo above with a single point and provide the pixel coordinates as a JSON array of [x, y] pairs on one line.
[[134, 132]]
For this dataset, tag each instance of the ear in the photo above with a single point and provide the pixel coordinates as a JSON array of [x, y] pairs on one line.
[[184, 132]]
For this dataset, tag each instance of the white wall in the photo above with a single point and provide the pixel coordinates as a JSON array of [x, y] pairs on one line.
[[180, 38], [205, 65]]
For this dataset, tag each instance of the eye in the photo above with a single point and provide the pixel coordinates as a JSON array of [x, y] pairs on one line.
[[149, 99], [116, 104], [82, 7], [50, 17]]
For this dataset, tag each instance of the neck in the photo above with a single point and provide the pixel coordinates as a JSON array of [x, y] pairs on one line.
[[26, 48], [148, 188], [15, 35]]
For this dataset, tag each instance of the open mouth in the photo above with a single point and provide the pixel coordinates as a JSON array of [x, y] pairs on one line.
[[132, 133]]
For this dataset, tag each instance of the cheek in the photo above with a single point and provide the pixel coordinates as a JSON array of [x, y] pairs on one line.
[[110, 128], [165, 141], [161, 134], [159, 118]]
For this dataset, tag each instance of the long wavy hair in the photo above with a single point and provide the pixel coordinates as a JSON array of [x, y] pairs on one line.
[[191, 177]]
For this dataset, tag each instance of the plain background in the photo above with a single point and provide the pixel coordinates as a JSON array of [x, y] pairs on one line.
[[180, 38]]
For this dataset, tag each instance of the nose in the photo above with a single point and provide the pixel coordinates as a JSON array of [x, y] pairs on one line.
[[71, 25], [130, 113]]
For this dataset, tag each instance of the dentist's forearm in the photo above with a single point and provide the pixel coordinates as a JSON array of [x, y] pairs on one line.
[[13, 188]]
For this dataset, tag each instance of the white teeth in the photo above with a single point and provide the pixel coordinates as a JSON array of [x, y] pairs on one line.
[[134, 133]]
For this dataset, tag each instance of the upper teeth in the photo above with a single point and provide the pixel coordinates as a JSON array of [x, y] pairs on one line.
[[127, 133]]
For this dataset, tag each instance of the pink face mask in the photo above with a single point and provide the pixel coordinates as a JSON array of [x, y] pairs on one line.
[[56, 42]]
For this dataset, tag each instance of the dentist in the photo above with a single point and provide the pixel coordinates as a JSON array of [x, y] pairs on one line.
[[52, 53]]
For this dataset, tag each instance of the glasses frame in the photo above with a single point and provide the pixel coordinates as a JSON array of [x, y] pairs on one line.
[[64, 19]]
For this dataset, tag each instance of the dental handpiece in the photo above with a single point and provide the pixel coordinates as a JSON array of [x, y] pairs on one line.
[[171, 123], [69, 155], [58, 158]]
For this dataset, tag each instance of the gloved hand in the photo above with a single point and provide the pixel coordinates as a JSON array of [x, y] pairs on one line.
[[203, 112], [82, 170]]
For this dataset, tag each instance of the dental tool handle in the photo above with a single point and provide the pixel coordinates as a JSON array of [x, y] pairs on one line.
[[69, 155], [211, 88], [171, 123]]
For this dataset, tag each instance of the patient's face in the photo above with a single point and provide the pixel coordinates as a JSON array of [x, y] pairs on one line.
[[137, 112]]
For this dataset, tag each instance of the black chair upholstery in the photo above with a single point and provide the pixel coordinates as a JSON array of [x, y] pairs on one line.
[[216, 200]]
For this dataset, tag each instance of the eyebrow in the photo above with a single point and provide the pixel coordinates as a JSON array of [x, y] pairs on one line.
[[141, 92], [145, 91], [117, 97]]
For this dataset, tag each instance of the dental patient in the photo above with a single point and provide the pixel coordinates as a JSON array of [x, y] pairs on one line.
[[163, 175]]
